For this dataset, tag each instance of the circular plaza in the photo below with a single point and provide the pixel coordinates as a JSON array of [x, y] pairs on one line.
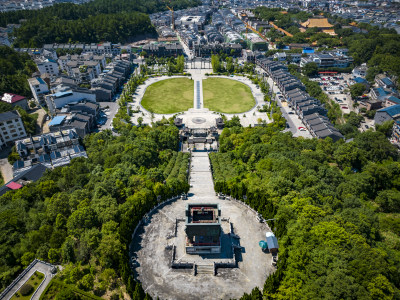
[[163, 257]]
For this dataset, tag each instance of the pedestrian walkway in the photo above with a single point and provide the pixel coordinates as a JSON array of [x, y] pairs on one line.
[[198, 92], [201, 181], [45, 268]]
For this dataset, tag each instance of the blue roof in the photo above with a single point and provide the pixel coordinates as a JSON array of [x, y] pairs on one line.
[[44, 158], [381, 91], [55, 154], [391, 110], [56, 120], [394, 99], [360, 80], [41, 81], [78, 149], [62, 94], [387, 81], [308, 51]]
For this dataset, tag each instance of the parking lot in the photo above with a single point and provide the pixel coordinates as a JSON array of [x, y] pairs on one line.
[[337, 89], [107, 114]]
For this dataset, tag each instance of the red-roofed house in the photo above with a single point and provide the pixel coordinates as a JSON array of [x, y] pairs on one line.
[[14, 100]]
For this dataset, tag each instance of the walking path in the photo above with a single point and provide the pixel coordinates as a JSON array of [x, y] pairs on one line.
[[36, 266]]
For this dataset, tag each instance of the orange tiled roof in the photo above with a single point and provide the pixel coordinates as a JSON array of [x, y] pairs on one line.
[[320, 23], [329, 31]]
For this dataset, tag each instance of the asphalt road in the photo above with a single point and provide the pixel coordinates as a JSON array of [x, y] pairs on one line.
[[113, 106]]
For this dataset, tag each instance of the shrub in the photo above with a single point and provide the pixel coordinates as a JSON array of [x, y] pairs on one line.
[[26, 289], [39, 275]]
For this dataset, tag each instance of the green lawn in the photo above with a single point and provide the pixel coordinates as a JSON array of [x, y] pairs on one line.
[[227, 96], [34, 281], [169, 96]]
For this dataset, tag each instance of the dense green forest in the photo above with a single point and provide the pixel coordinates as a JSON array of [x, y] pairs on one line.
[[15, 69], [336, 208], [83, 215], [95, 21]]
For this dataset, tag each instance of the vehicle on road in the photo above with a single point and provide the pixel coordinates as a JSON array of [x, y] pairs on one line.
[[291, 113]]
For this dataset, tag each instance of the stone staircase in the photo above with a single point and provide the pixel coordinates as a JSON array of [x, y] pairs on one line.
[[207, 269]]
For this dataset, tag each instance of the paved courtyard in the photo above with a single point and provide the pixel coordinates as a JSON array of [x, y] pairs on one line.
[[152, 257]]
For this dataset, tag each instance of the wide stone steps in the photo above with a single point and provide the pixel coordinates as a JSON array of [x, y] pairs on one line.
[[205, 269]]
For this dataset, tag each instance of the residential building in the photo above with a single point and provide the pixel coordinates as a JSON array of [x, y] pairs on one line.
[[63, 95], [14, 100], [39, 88], [360, 71], [23, 176], [387, 114], [51, 149], [384, 81], [47, 66], [11, 127]]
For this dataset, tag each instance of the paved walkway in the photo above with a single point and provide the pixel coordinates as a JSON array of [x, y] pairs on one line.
[[38, 266]]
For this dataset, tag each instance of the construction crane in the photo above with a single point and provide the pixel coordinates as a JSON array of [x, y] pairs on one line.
[[172, 17]]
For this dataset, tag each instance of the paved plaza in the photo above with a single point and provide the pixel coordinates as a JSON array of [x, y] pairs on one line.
[[249, 118]]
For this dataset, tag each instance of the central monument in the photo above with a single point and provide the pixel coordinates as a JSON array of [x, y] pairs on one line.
[[203, 228]]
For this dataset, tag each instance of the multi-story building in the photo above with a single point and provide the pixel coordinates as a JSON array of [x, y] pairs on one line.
[[47, 66], [51, 149], [39, 88], [63, 95], [11, 127], [327, 60]]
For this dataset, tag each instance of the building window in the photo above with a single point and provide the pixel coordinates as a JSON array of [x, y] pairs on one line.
[[13, 130], [14, 135], [9, 122]]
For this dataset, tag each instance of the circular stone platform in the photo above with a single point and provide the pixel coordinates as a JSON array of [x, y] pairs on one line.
[[199, 120], [152, 256]]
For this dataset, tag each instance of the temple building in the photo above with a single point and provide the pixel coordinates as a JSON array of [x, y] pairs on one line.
[[203, 228]]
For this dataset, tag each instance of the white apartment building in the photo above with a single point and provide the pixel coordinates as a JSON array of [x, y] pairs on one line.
[[39, 88], [63, 95], [48, 66], [11, 127]]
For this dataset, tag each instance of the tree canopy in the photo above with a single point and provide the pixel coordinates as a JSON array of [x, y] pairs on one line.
[[92, 22], [328, 201], [83, 215]]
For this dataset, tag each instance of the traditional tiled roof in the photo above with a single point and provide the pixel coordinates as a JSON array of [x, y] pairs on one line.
[[317, 22]]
